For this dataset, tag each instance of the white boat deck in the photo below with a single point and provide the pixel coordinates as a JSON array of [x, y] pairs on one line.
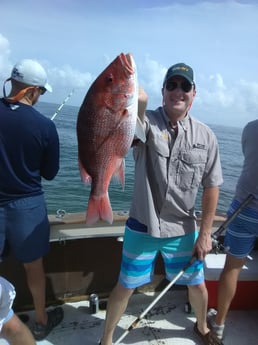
[[166, 323]]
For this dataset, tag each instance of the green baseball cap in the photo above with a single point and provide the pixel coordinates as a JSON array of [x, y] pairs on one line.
[[180, 69]]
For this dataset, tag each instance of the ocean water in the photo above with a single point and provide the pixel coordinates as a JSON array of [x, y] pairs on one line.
[[68, 193]]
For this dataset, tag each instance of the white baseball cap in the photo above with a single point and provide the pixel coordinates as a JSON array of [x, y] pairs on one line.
[[30, 72]]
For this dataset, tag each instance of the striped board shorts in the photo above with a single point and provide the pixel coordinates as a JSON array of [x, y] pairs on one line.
[[242, 232], [140, 252]]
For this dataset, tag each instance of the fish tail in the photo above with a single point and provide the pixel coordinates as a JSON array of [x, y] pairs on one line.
[[99, 208]]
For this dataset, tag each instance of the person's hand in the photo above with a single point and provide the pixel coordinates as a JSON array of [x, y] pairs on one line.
[[142, 103], [203, 245], [142, 95]]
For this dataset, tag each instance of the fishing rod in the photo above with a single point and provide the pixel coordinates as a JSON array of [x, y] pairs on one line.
[[136, 321], [216, 245], [61, 106]]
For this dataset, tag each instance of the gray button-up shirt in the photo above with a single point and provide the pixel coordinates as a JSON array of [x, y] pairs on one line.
[[248, 180], [168, 172]]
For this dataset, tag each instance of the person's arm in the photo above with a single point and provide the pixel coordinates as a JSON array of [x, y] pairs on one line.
[[142, 103], [203, 244], [50, 160], [140, 127]]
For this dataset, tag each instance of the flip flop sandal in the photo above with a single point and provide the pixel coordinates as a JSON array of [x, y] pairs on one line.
[[55, 316], [208, 338]]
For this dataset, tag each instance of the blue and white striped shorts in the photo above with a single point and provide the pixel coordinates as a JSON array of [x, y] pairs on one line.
[[242, 232], [140, 252]]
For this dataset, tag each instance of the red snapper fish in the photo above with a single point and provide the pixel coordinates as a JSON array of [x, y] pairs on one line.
[[105, 129]]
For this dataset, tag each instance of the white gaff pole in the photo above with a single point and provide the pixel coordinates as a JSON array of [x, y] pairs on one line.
[[162, 293]]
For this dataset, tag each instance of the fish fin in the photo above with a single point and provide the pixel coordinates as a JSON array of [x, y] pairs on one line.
[[84, 175], [119, 174], [99, 208], [139, 130]]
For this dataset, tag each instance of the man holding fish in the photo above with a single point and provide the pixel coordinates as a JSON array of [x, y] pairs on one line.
[[178, 155]]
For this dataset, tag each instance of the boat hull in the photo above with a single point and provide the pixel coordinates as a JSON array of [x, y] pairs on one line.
[[82, 260]]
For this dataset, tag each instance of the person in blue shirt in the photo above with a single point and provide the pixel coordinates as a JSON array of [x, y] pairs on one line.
[[29, 151]]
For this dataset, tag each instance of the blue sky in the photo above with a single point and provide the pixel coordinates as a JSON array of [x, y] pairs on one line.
[[76, 39]]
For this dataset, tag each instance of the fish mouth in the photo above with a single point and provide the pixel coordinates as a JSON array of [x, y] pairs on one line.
[[128, 63]]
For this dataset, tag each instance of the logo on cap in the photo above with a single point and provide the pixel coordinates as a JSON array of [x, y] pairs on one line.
[[16, 73], [181, 68]]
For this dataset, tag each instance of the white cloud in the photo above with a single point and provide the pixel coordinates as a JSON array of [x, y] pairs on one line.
[[5, 65], [151, 74], [69, 77], [232, 103], [215, 92]]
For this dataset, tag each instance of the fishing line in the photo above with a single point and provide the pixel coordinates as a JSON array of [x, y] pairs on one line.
[[61, 106], [61, 213]]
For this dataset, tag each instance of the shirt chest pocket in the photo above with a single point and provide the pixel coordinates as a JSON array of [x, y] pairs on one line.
[[158, 154], [158, 144], [190, 170]]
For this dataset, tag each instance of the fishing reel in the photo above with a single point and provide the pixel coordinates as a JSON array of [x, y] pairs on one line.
[[217, 245], [217, 238]]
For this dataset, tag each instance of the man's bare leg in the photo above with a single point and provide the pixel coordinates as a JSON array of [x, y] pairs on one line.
[[16, 333], [116, 306], [37, 285], [198, 298], [227, 286]]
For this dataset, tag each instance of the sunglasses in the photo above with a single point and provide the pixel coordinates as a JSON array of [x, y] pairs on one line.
[[185, 86], [42, 90]]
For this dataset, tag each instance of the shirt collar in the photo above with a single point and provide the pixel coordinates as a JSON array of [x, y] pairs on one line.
[[184, 123]]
